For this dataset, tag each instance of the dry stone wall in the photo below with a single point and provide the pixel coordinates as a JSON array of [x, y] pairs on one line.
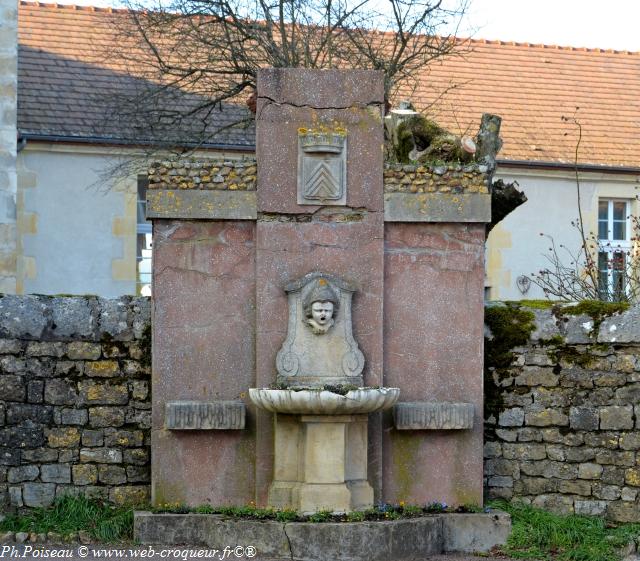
[[207, 174], [74, 399], [563, 411], [437, 178], [240, 175]]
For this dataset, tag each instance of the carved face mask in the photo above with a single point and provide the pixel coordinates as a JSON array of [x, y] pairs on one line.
[[322, 312]]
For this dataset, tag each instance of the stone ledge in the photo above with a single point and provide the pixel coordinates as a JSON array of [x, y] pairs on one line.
[[433, 416], [406, 539], [202, 205], [199, 415], [437, 207]]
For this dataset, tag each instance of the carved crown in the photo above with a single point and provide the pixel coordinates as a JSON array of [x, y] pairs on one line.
[[315, 141]]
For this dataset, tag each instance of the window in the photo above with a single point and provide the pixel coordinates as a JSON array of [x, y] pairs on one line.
[[143, 241], [614, 247]]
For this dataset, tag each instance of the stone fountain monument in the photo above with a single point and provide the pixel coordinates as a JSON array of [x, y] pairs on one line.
[[320, 458], [291, 313]]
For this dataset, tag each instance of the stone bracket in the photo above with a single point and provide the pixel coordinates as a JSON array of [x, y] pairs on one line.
[[424, 415], [202, 205], [201, 415], [437, 207]]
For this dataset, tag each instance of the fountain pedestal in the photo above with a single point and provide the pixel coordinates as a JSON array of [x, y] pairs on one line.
[[321, 463], [321, 447]]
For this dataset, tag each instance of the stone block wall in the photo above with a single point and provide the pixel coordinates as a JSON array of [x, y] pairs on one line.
[[563, 410], [562, 427], [75, 402]]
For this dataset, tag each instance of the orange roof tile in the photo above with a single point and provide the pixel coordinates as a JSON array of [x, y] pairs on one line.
[[538, 90], [535, 88]]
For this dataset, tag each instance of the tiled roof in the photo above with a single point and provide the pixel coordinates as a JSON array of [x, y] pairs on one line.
[[68, 77], [64, 71], [533, 87]]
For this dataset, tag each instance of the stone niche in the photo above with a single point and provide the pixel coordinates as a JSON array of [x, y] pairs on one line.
[[231, 270], [319, 348]]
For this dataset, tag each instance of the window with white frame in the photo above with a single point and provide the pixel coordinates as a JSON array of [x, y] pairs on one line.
[[614, 247], [143, 241]]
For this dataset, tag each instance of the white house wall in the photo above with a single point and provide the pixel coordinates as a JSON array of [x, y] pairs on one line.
[[78, 236], [515, 247], [72, 235], [8, 132]]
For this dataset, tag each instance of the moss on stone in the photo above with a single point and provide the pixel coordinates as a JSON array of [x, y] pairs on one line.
[[570, 354], [417, 131], [403, 453], [145, 346], [511, 327], [555, 341], [404, 144], [596, 309], [537, 304]]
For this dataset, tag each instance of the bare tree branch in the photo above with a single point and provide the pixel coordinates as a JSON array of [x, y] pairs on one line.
[[193, 63]]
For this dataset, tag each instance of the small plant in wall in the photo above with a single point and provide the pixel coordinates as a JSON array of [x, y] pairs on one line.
[[598, 270], [606, 264]]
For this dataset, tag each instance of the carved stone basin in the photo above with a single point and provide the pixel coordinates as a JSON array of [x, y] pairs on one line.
[[322, 402]]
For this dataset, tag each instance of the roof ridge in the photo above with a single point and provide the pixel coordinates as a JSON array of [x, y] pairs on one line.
[[75, 7], [569, 48], [546, 46]]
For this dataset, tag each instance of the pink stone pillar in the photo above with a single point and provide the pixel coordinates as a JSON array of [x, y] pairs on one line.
[[203, 351], [293, 240], [433, 345]]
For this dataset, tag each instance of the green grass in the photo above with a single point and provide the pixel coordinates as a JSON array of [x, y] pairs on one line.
[[380, 512], [70, 514], [538, 534]]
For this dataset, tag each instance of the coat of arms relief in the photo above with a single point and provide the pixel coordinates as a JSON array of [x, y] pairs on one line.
[[322, 166]]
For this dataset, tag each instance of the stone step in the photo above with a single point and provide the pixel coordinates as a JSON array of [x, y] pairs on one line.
[[397, 540]]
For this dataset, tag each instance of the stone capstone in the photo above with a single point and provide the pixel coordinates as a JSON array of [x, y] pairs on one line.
[[621, 328], [72, 318], [23, 317], [202, 205], [437, 207]]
